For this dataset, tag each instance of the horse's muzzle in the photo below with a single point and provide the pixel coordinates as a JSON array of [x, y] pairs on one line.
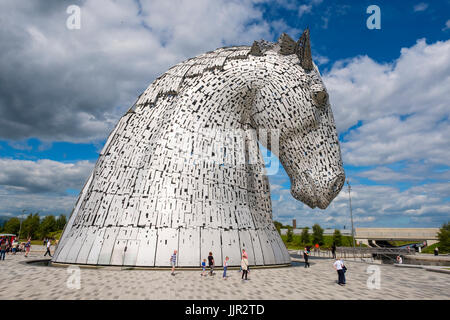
[[306, 190]]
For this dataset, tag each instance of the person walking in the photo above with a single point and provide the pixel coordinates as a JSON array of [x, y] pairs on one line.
[[3, 246], [244, 267], [49, 243], [339, 267], [173, 261], [245, 256], [333, 250], [211, 264], [225, 266], [306, 257], [27, 247]]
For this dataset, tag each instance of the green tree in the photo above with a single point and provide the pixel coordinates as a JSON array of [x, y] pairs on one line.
[[61, 222], [290, 234], [304, 237], [317, 234], [47, 226], [444, 237], [278, 226], [337, 238], [12, 226], [30, 226]]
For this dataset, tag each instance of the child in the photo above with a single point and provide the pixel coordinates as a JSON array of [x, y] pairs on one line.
[[203, 267], [225, 266]]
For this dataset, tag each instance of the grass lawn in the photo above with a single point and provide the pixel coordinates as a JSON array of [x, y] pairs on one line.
[[430, 249]]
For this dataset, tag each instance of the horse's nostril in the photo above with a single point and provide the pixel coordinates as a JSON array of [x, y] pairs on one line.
[[338, 183]]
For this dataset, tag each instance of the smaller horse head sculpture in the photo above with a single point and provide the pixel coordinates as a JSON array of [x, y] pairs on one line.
[[292, 98]]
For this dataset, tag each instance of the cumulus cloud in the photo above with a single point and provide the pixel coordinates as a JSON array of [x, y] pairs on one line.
[[422, 206], [43, 176], [413, 173], [73, 85], [13, 203], [402, 106], [47, 186]]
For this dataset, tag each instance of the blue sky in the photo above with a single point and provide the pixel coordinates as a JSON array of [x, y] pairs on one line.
[[63, 90]]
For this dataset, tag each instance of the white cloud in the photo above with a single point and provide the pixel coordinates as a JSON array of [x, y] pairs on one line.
[[304, 8], [93, 75], [420, 7], [413, 173], [40, 186], [13, 204], [319, 59], [307, 8], [372, 206], [403, 106], [43, 176]]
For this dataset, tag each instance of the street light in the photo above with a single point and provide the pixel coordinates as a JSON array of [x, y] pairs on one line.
[[351, 216], [20, 228]]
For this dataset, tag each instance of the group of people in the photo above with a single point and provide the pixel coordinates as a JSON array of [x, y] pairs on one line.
[[244, 269], [338, 264], [14, 246]]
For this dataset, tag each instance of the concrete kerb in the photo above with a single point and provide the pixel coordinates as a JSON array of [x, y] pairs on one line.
[[427, 268], [437, 269]]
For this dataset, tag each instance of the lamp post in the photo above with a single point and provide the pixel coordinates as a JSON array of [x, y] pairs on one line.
[[351, 216], [20, 228]]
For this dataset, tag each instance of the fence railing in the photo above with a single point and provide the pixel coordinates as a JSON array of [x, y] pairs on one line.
[[362, 252]]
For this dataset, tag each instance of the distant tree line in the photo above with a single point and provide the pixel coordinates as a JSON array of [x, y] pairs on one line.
[[35, 227], [316, 237]]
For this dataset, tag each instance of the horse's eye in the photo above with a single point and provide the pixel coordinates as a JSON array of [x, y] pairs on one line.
[[320, 97]]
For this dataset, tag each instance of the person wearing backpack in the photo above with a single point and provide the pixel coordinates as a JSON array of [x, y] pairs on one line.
[[339, 267]]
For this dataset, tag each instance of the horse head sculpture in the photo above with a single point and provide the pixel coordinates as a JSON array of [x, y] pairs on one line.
[[182, 169], [309, 147]]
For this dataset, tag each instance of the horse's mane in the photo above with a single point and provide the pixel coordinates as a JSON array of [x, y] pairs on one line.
[[170, 82]]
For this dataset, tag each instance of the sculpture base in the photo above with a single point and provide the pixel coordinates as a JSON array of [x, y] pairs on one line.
[[217, 269]]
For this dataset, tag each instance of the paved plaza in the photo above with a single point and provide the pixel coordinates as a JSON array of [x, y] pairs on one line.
[[30, 281]]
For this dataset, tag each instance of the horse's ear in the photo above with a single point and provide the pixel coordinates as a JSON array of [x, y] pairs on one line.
[[287, 45], [255, 50], [303, 51]]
